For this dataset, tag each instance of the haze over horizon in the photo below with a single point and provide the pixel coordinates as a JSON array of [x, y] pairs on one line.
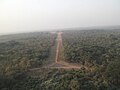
[[37, 15]]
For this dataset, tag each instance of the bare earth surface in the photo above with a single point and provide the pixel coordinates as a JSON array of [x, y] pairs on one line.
[[55, 62], [60, 63]]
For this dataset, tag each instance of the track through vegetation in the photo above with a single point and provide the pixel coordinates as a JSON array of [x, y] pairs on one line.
[[30, 61], [61, 64]]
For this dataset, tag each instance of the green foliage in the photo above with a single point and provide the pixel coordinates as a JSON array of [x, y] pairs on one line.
[[97, 50], [28, 51], [49, 80], [113, 72], [91, 47]]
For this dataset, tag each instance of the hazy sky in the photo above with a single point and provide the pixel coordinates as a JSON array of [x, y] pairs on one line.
[[35, 15]]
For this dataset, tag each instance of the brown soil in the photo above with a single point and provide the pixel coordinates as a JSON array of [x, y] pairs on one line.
[[60, 64]]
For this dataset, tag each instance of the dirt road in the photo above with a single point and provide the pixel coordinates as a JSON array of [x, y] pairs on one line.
[[59, 44], [60, 63]]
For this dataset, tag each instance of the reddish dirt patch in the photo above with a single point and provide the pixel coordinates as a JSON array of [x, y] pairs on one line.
[[58, 63]]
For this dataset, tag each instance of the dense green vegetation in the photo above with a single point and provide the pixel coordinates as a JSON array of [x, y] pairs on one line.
[[27, 51], [97, 50], [47, 79]]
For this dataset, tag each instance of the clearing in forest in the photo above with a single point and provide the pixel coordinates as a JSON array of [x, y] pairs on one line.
[[59, 63]]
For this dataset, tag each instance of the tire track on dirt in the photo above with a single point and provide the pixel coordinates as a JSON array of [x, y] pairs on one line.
[[59, 64]]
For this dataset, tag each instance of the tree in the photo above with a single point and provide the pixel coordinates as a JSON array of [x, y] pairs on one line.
[[113, 72]]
